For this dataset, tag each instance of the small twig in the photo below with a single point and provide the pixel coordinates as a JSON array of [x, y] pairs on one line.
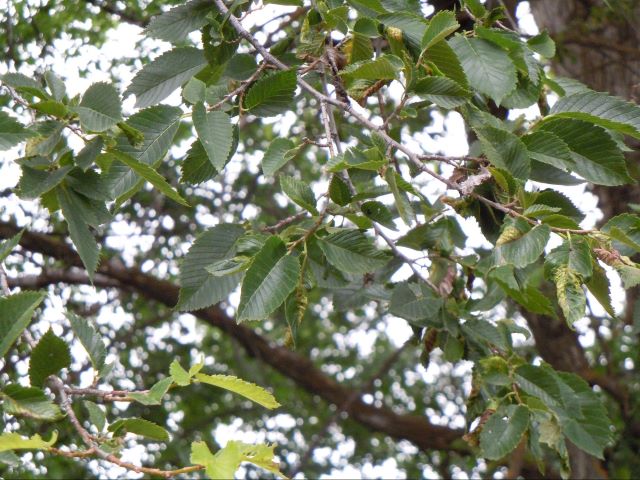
[[243, 86], [284, 222]]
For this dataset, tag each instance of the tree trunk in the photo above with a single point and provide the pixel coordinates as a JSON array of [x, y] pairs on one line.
[[598, 45]]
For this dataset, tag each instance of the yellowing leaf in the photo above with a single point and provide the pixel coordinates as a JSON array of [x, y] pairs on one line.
[[234, 384]]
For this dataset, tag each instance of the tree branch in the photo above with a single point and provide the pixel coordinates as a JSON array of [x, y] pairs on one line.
[[414, 428]]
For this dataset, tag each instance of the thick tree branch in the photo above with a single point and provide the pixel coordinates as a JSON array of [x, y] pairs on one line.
[[416, 429], [123, 15]]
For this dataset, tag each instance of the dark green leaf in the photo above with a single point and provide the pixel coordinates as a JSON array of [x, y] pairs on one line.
[[441, 25], [7, 246], [352, 252], [139, 426], [506, 151], [151, 176], [48, 357], [72, 207], [158, 79], [442, 91], [96, 415], [90, 340], [29, 402], [503, 431], [12, 133], [417, 303], [273, 274], [34, 183], [596, 156], [175, 25], [272, 94], [215, 133], [15, 314], [199, 289], [609, 112], [100, 107], [488, 68], [155, 393], [299, 192]]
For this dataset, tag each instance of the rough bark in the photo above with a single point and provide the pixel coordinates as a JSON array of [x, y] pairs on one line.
[[597, 45]]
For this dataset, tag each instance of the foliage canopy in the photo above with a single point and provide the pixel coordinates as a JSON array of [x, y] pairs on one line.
[[281, 177]]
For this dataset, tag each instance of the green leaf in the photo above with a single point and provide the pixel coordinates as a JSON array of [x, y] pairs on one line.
[[215, 133], [9, 459], [629, 274], [20, 81], [48, 357], [571, 296], [339, 191], [548, 148], [503, 431], [35, 183], [196, 167], [379, 213], [273, 274], [300, 192], [272, 94], [175, 25], [155, 393], [56, 85], [87, 247], [442, 91], [397, 187], [15, 441], [139, 426], [276, 156], [100, 108], [179, 375], [482, 331], [96, 415], [241, 66], [158, 79], [158, 125], [199, 289], [15, 314], [236, 385], [488, 67], [505, 150], [150, 175], [595, 107], [441, 25], [543, 44], [89, 153], [227, 460], [358, 48], [525, 249], [574, 254], [12, 133], [7, 246], [624, 229], [596, 156], [413, 26], [580, 411], [29, 402], [598, 285], [90, 340], [417, 303], [352, 252], [443, 57], [386, 67]]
